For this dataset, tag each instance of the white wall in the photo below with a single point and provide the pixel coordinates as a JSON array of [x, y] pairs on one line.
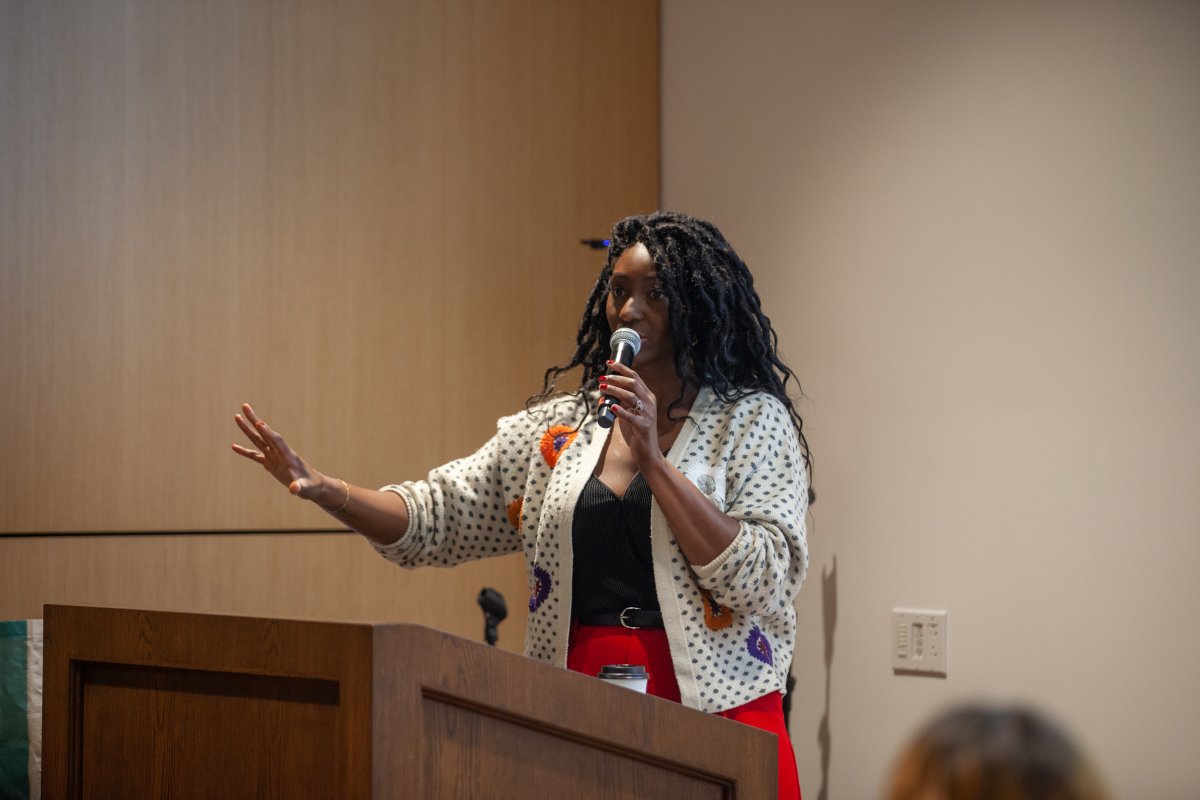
[[977, 229]]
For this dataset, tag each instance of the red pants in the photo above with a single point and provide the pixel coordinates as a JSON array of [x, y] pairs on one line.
[[593, 646]]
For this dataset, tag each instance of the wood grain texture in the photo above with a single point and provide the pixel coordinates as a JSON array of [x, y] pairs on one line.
[[152, 704], [309, 576], [363, 216], [257, 737], [146, 704], [498, 725]]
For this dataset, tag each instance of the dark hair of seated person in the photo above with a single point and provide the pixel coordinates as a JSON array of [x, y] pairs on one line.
[[993, 753]]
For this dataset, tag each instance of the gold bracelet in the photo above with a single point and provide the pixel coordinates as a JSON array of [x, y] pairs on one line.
[[342, 507]]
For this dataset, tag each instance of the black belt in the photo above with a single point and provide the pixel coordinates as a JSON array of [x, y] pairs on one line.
[[629, 618]]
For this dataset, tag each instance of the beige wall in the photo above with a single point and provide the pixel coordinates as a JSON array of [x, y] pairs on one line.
[[363, 216], [976, 229]]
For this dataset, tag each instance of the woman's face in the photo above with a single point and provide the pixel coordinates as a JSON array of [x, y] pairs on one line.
[[636, 300]]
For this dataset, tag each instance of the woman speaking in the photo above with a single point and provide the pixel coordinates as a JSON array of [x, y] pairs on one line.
[[660, 505]]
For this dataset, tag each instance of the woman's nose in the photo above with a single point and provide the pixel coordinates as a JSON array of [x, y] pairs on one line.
[[631, 310]]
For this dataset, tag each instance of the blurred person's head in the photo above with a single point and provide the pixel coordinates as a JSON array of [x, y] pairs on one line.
[[987, 753]]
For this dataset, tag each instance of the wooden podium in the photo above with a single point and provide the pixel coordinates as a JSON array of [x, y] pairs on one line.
[[147, 704]]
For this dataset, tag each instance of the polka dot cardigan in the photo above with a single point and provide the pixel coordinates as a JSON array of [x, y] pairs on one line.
[[730, 623]]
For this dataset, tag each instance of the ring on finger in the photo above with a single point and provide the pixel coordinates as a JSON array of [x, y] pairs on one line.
[[638, 405]]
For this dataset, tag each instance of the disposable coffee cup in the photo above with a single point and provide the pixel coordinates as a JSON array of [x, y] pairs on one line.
[[631, 676]]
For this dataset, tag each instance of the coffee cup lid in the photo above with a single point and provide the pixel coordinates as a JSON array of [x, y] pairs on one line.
[[623, 671]]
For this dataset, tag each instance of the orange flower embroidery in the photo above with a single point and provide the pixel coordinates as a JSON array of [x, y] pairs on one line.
[[514, 512], [554, 441], [716, 616]]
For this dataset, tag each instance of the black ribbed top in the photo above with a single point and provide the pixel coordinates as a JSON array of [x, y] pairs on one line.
[[610, 536]]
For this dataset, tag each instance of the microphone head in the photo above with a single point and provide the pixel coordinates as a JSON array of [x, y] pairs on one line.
[[628, 336], [492, 602]]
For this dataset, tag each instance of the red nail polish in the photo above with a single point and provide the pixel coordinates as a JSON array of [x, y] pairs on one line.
[[609, 361]]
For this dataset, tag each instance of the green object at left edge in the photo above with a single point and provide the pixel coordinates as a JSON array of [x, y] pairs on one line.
[[20, 648]]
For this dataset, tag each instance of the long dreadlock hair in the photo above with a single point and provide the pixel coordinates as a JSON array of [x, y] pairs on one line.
[[723, 339]]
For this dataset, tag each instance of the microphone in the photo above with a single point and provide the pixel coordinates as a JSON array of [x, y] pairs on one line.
[[624, 344], [494, 612]]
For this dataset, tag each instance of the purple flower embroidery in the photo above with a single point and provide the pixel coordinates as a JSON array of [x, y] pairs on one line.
[[758, 646], [541, 588]]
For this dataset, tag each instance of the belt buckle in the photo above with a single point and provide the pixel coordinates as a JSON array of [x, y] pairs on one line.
[[625, 624]]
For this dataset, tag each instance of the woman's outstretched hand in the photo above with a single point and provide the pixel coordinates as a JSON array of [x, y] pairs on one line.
[[284, 464], [380, 516]]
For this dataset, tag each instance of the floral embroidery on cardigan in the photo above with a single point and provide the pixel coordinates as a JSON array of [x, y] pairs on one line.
[[514, 512], [554, 441], [541, 588], [716, 616], [758, 646]]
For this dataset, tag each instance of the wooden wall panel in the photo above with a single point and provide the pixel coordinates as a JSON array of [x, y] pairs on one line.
[[300, 576], [363, 216]]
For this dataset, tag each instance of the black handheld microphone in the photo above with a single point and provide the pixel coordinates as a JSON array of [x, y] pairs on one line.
[[624, 344]]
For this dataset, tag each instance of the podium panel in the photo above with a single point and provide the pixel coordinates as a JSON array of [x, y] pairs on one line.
[[159, 704], [474, 746], [257, 736]]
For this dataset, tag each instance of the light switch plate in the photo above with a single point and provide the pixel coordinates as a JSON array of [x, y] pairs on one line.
[[919, 641]]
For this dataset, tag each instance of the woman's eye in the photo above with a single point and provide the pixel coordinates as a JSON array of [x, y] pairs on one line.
[[616, 291], [657, 293]]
